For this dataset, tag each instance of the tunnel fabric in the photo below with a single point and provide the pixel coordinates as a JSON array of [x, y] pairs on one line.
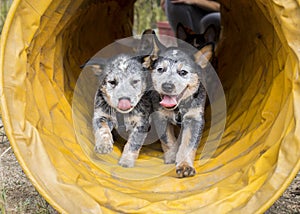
[[42, 46]]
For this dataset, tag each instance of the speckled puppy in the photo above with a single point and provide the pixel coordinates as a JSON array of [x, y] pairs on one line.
[[176, 77], [121, 100]]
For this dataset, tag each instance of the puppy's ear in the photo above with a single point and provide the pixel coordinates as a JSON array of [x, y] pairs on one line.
[[145, 45], [96, 65], [181, 32], [97, 69], [152, 57], [204, 55], [210, 34], [156, 48]]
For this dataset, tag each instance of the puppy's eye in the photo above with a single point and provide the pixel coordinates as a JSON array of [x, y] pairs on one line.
[[182, 72], [161, 69], [113, 83], [133, 82]]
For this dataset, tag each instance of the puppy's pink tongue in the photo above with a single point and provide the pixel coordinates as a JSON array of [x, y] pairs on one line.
[[124, 104], [168, 101]]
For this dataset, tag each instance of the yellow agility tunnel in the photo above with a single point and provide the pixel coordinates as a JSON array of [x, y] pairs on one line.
[[44, 43]]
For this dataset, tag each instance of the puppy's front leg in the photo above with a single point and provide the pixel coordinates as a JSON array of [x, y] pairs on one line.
[[190, 136], [103, 137], [134, 144], [169, 144], [165, 132]]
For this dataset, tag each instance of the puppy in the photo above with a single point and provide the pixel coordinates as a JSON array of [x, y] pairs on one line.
[[211, 34], [121, 102], [177, 77]]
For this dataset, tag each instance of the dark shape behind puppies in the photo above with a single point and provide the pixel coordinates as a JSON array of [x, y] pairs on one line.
[[210, 34]]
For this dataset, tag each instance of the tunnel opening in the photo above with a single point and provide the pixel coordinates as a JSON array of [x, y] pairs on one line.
[[258, 62]]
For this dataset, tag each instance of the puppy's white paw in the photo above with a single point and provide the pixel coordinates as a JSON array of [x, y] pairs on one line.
[[126, 162], [104, 143], [170, 157]]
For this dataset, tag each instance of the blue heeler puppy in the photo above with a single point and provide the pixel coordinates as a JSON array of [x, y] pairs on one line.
[[121, 100], [177, 77]]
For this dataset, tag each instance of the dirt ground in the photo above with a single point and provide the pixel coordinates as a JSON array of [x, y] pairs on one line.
[[17, 195]]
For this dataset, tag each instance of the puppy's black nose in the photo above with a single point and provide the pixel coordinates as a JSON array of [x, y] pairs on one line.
[[167, 87]]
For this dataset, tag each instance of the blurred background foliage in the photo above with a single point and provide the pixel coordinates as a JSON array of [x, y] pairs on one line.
[[4, 7], [146, 14]]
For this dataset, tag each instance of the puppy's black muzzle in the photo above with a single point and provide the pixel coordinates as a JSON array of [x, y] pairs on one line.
[[168, 87]]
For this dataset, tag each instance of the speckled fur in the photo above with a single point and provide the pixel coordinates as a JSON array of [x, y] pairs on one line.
[[184, 72], [121, 76]]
